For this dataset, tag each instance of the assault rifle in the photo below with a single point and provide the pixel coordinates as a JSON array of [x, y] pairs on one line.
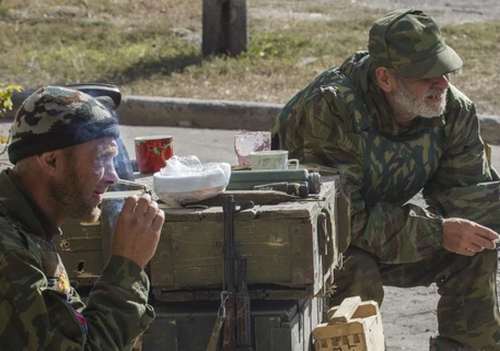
[[237, 329]]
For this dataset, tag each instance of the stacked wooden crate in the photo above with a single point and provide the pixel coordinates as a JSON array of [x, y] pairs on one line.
[[291, 246], [291, 249]]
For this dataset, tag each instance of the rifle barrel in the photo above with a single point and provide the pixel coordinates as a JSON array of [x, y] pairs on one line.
[[237, 329]]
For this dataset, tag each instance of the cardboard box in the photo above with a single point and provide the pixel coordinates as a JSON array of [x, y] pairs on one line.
[[352, 326]]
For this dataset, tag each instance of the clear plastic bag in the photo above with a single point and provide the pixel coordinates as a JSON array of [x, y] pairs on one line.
[[186, 180]]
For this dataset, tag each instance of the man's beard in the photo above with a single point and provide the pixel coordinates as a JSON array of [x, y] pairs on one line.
[[408, 107], [69, 193]]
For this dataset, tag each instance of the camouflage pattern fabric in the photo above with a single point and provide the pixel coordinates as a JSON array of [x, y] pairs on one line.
[[39, 310], [56, 118], [467, 286], [410, 41], [342, 120]]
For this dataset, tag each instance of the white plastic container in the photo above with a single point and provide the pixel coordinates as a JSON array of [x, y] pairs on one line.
[[186, 180]]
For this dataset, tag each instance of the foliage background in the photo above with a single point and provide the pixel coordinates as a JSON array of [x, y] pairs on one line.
[[152, 47]]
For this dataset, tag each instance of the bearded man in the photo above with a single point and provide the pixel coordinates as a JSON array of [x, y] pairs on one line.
[[63, 145], [390, 120]]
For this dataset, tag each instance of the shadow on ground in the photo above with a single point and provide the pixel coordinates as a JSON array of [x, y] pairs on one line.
[[146, 69]]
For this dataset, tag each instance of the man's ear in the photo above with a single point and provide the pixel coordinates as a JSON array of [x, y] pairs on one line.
[[385, 79], [48, 162]]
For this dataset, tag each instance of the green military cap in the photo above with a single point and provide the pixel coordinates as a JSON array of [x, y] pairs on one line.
[[410, 42]]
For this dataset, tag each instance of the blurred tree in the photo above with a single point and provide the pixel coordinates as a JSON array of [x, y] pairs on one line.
[[6, 92]]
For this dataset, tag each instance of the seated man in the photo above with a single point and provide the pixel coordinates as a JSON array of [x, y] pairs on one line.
[[63, 145], [392, 122]]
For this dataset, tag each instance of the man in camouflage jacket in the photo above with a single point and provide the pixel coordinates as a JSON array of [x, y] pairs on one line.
[[63, 145], [392, 122]]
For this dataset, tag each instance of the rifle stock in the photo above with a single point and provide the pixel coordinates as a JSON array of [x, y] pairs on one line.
[[229, 330], [243, 326]]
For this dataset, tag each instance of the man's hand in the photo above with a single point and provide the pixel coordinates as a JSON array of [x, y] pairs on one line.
[[465, 237], [137, 230]]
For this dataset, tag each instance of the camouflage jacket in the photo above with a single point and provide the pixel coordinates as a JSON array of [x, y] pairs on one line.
[[342, 120], [38, 308]]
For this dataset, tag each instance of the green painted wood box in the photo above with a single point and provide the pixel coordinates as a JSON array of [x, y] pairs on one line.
[[291, 248], [275, 325], [291, 245]]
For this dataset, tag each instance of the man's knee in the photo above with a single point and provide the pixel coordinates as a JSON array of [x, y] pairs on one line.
[[488, 259], [358, 276]]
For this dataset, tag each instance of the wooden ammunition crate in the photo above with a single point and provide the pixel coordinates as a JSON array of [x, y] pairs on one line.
[[290, 246], [352, 326], [275, 325]]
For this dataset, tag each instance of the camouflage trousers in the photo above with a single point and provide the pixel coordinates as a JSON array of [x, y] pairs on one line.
[[467, 311]]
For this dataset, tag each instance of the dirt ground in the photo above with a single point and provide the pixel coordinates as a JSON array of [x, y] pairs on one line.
[[445, 11], [409, 315], [451, 11]]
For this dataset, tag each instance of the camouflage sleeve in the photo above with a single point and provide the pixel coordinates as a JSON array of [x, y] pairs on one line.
[[36, 318], [465, 184], [319, 130]]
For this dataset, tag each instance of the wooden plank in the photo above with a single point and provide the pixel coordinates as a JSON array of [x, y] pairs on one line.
[[366, 309], [281, 293], [302, 265], [343, 221], [263, 326], [282, 339], [346, 310], [259, 197], [162, 265], [274, 293], [81, 245], [327, 331], [296, 209], [197, 253], [161, 335], [299, 209]]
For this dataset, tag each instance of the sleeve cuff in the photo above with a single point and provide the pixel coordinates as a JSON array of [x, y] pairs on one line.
[[126, 274], [435, 230]]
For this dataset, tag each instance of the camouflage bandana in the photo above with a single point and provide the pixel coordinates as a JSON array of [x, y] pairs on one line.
[[410, 41], [56, 118]]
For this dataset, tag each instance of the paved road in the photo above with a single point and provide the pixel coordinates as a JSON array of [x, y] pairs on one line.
[[210, 145]]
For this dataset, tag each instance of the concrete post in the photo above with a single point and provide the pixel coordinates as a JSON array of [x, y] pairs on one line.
[[225, 27]]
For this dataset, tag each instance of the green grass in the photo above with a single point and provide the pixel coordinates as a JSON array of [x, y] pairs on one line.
[[153, 48]]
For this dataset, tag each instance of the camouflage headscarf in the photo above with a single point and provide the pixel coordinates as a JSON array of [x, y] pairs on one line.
[[56, 118], [410, 41]]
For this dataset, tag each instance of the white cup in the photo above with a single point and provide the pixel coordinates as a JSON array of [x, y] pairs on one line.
[[246, 142], [272, 159]]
